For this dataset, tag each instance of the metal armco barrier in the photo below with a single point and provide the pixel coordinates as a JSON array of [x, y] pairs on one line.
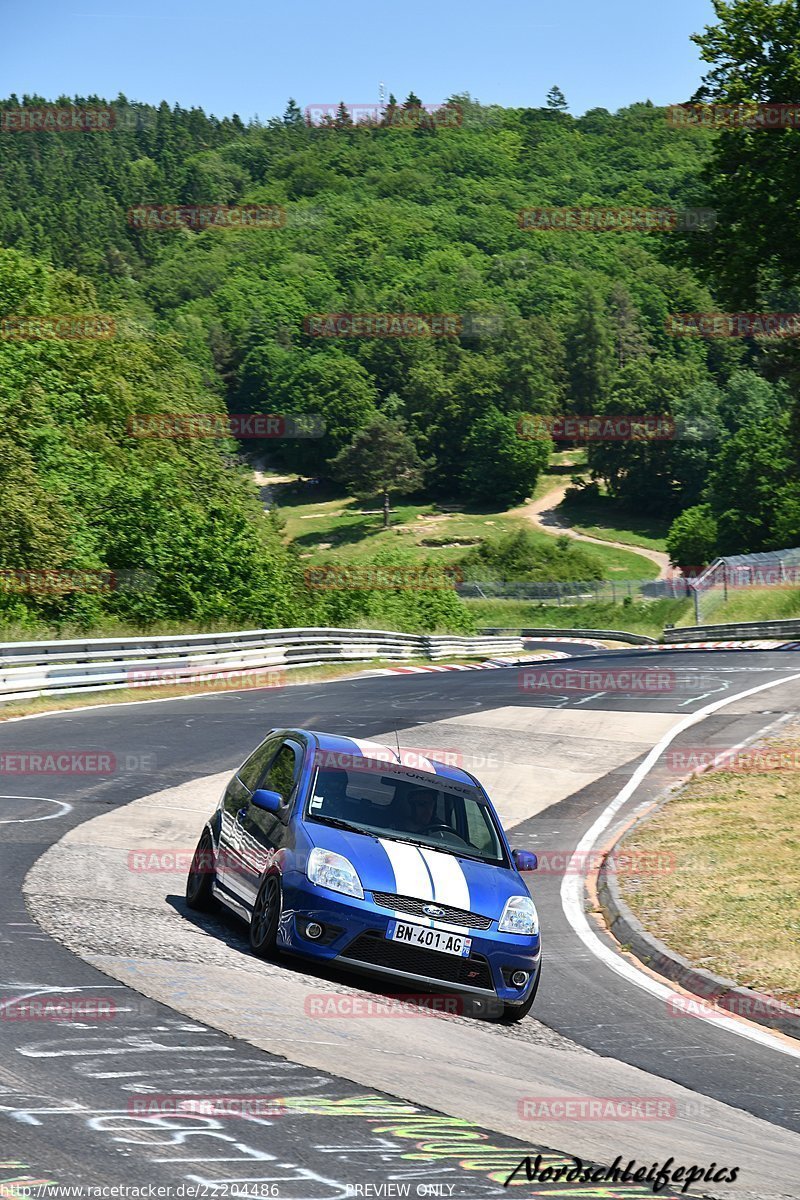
[[725, 633], [616, 635], [30, 669]]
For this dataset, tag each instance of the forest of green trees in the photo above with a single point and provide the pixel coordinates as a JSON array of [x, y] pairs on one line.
[[415, 217]]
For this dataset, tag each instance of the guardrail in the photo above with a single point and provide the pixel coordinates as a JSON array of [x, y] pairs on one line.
[[616, 635], [741, 632], [31, 669]]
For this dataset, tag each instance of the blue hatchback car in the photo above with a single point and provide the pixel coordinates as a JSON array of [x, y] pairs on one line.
[[376, 860]]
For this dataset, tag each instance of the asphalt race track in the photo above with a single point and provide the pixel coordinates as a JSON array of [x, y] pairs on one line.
[[70, 1088]]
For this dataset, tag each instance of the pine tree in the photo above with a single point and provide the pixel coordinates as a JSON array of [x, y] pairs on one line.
[[556, 99], [293, 116], [590, 354]]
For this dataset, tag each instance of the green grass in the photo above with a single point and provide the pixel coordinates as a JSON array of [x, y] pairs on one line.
[[730, 903], [603, 518], [110, 627], [326, 526], [648, 617], [748, 604], [620, 565]]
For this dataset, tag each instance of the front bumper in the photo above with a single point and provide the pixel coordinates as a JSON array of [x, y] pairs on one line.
[[355, 937]]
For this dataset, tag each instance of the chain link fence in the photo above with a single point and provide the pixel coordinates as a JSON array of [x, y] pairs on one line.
[[605, 591], [713, 587]]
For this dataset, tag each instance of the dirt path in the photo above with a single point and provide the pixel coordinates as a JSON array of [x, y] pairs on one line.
[[265, 479], [542, 513]]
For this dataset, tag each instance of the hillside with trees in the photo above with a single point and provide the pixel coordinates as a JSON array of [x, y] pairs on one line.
[[387, 218]]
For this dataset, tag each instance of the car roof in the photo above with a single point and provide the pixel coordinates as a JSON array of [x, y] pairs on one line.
[[411, 757]]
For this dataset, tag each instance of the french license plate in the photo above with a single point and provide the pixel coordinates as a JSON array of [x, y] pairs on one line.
[[429, 939]]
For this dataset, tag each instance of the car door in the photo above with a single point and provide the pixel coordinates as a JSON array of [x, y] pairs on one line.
[[234, 809], [263, 833]]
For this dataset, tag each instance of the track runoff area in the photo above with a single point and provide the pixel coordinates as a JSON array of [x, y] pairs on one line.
[[143, 1047]]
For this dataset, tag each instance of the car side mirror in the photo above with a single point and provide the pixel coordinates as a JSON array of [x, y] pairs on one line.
[[524, 860], [269, 801]]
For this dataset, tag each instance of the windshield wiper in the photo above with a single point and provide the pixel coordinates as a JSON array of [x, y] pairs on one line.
[[443, 849], [337, 823]]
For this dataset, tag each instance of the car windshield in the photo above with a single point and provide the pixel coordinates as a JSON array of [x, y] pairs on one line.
[[413, 806]]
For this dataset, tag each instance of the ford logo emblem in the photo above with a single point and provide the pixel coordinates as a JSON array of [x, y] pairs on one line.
[[431, 910]]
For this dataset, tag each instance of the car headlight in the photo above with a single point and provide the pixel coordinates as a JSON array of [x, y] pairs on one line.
[[334, 871], [519, 916]]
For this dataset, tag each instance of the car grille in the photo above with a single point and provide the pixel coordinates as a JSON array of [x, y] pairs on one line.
[[408, 904], [378, 951]]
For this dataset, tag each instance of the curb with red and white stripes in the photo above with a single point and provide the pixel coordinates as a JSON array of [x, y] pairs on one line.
[[743, 645], [492, 664], [497, 663]]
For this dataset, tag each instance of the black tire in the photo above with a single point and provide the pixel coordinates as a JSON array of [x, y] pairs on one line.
[[200, 880], [517, 1012], [264, 919]]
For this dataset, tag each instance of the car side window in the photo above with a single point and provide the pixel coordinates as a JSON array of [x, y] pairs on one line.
[[479, 831], [283, 771], [253, 770]]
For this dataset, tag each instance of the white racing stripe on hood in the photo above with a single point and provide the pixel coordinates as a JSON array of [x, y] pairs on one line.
[[416, 760], [449, 881], [375, 750], [411, 876]]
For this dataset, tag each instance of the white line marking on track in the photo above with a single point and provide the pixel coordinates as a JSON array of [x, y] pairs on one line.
[[49, 989], [65, 808], [572, 886]]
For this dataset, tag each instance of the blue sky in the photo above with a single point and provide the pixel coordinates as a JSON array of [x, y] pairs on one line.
[[249, 57]]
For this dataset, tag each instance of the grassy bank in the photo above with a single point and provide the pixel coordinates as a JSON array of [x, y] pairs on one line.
[[732, 903], [603, 518], [648, 618], [749, 604], [326, 526]]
